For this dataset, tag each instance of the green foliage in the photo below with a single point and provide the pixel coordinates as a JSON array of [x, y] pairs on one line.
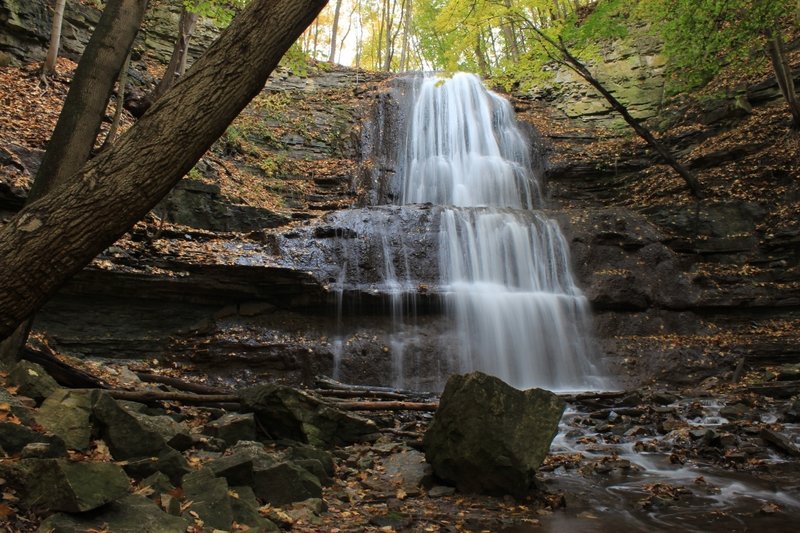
[[220, 12], [703, 36]]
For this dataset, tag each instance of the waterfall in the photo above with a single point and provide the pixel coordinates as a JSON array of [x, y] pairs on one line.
[[505, 273]]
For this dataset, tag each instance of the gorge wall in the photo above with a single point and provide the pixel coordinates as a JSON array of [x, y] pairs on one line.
[[241, 284]]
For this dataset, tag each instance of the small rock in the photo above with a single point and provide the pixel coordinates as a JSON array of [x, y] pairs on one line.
[[209, 497], [15, 437], [245, 509], [232, 428], [67, 413], [736, 411], [284, 483], [440, 490], [60, 485], [131, 514], [32, 380]]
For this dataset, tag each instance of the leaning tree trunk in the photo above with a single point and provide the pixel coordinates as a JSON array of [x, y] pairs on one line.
[[85, 106], [49, 65], [55, 236]]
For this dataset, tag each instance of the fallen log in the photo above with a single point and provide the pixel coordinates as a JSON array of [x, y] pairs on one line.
[[180, 384], [359, 394], [149, 396], [64, 374], [386, 406]]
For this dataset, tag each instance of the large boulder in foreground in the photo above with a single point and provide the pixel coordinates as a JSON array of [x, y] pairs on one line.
[[490, 437]]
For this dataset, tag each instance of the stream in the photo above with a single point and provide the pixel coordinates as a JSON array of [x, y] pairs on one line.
[[707, 474]]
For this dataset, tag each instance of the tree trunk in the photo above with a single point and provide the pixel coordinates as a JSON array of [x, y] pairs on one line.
[[180, 54], [407, 12], [387, 64], [575, 64], [121, 81], [79, 122], [49, 66], [481, 58], [334, 28], [783, 73], [55, 236]]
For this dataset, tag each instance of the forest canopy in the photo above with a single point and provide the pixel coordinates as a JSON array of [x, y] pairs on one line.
[[498, 38]]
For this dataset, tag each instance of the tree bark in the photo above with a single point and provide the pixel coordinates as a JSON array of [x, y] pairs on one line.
[[55, 236], [79, 122], [334, 28], [783, 73], [49, 66]]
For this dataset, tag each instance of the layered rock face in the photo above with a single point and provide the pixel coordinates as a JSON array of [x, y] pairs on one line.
[[250, 290]]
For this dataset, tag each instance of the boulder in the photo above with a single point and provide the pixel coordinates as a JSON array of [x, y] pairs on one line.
[[489, 437], [232, 428], [32, 380], [292, 414], [124, 432], [67, 413], [11, 405], [61, 485], [169, 462], [245, 509], [284, 483], [209, 497], [131, 514], [15, 437]]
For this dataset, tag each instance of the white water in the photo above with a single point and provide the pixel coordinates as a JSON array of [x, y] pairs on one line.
[[505, 268]]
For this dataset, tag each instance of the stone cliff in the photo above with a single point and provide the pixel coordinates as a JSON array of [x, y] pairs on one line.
[[234, 274]]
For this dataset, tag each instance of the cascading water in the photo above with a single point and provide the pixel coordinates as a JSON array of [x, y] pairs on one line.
[[505, 275]]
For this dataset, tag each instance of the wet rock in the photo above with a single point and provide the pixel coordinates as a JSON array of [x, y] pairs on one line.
[[780, 442], [487, 436], [67, 413], [292, 414], [232, 428], [737, 411], [32, 381], [209, 497], [789, 372], [131, 514], [61, 485], [792, 413], [15, 437]]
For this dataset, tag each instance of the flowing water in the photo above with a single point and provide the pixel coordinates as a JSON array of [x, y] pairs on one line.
[[504, 268]]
